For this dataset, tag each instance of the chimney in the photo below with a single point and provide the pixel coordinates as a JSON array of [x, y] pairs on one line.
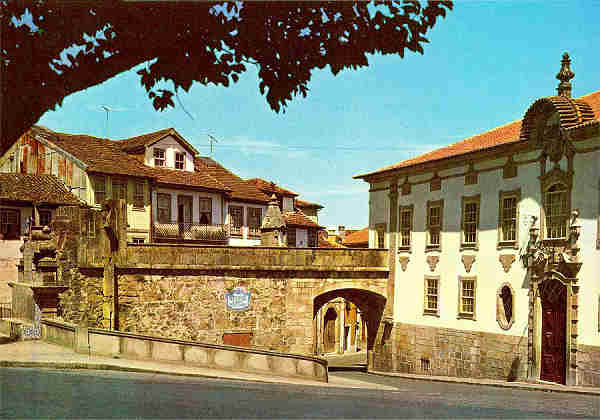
[[565, 75]]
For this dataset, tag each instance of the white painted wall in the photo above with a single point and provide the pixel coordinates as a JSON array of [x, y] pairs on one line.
[[196, 195], [171, 146], [409, 293], [245, 240]]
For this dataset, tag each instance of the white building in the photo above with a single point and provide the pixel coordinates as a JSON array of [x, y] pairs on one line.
[[497, 249]]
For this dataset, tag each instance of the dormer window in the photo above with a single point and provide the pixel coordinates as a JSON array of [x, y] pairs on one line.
[[179, 160], [159, 157]]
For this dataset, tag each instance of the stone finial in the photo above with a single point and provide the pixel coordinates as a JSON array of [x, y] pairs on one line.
[[273, 219], [565, 75]]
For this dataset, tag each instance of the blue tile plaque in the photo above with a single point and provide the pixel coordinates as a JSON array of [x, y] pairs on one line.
[[238, 299]]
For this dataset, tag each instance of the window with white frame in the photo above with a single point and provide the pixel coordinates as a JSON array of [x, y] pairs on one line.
[[432, 290], [470, 220], [466, 301], [163, 206], [508, 212], [434, 223], [119, 189], [556, 207], [406, 216], [99, 189], [179, 160], [159, 157], [139, 196], [205, 210], [138, 240]]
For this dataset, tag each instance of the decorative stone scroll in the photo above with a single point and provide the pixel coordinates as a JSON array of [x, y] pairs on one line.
[[432, 260], [403, 262], [468, 261], [506, 260]]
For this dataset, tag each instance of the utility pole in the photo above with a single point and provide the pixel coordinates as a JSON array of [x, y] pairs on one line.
[[107, 109]]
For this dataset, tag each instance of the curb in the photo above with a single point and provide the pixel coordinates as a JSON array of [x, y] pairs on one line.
[[104, 366], [512, 385]]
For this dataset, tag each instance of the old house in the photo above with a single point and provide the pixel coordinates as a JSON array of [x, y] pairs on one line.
[[496, 248], [172, 194]]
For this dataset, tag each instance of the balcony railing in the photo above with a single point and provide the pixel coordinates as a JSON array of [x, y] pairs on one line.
[[254, 232], [5, 310], [168, 232]]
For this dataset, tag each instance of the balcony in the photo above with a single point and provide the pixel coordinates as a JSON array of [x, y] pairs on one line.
[[191, 232]]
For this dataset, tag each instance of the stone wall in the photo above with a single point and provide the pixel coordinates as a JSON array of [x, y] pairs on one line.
[[450, 352], [588, 365]]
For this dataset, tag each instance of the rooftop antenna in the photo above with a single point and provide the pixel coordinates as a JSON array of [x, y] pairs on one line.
[[211, 140], [107, 109]]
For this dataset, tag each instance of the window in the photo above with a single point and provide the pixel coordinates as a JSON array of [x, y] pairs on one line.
[[466, 302], [10, 223], [45, 217], [471, 178], [557, 212], [119, 190], [138, 240], [236, 219], [205, 211], [470, 221], [99, 189], [312, 238], [291, 237], [380, 229], [159, 157], [254, 220], [179, 160], [431, 304], [406, 215], [508, 217], [163, 206], [138, 197], [434, 223]]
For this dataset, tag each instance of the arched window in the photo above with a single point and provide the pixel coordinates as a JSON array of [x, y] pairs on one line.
[[556, 206], [505, 306]]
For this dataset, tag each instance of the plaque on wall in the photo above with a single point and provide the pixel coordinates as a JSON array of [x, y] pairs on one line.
[[238, 299]]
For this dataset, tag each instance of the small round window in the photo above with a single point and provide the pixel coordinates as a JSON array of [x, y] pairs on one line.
[[504, 307]]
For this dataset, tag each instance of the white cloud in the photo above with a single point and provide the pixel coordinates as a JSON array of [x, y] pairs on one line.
[[260, 147]]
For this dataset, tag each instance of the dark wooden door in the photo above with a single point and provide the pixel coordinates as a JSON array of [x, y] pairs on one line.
[[554, 321], [329, 330]]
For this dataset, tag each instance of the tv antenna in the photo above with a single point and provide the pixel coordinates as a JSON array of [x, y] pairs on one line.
[[107, 109], [211, 140]]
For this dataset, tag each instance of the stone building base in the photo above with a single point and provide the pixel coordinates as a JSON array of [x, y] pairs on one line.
[[449, 352]]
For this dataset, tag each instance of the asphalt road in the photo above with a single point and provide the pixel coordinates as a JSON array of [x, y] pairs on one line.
[[35, 393]]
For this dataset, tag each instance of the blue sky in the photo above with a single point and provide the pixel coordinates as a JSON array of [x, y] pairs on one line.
[[485, 64]]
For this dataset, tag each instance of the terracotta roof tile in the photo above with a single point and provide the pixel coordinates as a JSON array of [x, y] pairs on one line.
[[137, 142], [188, 179], [505, 134], [297, 218], [360, 237], [307, 204], [100, 155], [240, 188], [39, 189], [270, 187]]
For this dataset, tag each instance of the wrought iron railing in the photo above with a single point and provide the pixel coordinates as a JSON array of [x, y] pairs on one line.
[[235, 230], [5, 310], [190, 232], [254, 232]]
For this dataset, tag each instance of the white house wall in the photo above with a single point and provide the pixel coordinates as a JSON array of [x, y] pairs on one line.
[[378, 210], [216, 200], [171, 146]]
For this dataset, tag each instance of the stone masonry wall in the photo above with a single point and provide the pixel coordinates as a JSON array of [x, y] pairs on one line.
[[588, 365], [449, 352]]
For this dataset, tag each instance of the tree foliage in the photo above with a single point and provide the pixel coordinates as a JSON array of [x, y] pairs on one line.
[[50, 49]]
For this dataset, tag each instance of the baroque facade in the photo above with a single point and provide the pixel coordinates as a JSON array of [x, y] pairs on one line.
[[494, 249]]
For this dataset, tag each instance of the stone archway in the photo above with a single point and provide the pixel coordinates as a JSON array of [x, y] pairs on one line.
[[369, 303], [329, 330]]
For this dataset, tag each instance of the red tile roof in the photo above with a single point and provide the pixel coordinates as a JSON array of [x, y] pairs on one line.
[[38, 189], [108, 157], [505, 134], [306, 204], [360, 237], [299, 219], [100, 155], [270, 187], [139, 142], [240, 189]]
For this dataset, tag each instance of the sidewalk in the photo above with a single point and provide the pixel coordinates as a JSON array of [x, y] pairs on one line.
[[44, 355], [537, 386]]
